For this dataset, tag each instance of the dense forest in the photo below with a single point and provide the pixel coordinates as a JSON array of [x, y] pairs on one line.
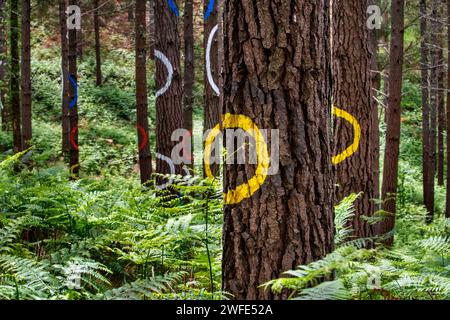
[[224, 150]]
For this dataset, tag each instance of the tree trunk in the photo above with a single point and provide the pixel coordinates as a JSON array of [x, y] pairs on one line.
[[98, 61], [151, 29], [441, 99], [15, 76], [277, 73], [352, 92], [169, 104], [189, 71], [212, 108], [145, 157], [447, 209], [65, 119], [74, 165], [27, 131], [425, 83], [390, 170], [4, 107], [131, 11]]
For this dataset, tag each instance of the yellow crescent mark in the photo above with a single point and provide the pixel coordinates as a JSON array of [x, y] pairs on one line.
[[72, 175], [246, 190], [357, 136]]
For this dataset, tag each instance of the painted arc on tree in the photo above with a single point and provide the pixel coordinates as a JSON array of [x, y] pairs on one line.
[[173, 7], [208, 60], [209, 10], [74, 100], [162, 57], [357, 136]]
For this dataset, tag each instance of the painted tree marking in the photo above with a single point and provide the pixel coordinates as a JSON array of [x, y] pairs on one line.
[[208, 60], [209, 10], [73, 17], [356, 140], [74, 100], [245, 190], [169, 67], [173, 7], [73, 175], [172, 170]]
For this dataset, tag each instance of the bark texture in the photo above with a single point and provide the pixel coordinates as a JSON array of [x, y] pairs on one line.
[[189, 69], [15, 76], [65, 118], [3, 65], [74, 159], [98, 59], [27, 131]]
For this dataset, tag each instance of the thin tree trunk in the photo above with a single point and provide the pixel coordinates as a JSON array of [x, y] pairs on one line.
[[98, 61], [425, 83], [15, 76], [169, 103], [441, 101], [65, 119], [74, 165], [352, 92], [27, 131], [189, 71], [447, 209], [145, 157], [212, 107], [390, 170], [151, 29], [4, 106], [277, 73]]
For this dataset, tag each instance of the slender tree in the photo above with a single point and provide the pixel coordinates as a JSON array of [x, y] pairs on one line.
[[276, 72], [391, 156], [189, 69], [151, 29], [27, 131], [169, 103], [447, 209], [15, 75], [212, 107], [3, 63], [65, 117], [74, 161], [352, 92], [440, 96], [98, 61], [80, 36], [145, 157]]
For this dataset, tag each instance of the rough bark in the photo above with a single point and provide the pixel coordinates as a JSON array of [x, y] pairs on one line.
[[151, 29], [169, 106], [277, 72], [98, 59], [65, 118], [189, 69], [212, 107], [352, 92], [15, 76], [447, 208], [3, 63], [145, 158], [74, 158], [441, 100], [27, 131], [390, 169]]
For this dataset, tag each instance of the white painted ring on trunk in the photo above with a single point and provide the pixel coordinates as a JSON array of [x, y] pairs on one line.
[[208, 60], [172, 170], [169, 67]]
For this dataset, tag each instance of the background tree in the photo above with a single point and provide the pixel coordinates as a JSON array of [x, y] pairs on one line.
[[169, 105], [98, 59], [447, 208], [26, 74], [65, 117], [352, 92], [440, 96], [391, 156], [277, 71], [3, 63], [15, 74], [189, 68]]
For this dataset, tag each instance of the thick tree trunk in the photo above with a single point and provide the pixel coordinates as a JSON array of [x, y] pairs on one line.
[[15, 76], [189, 70], [98, 60], [390, 170], [447, 209], [212, 93], [65, 118], [74, 161], [425, 83], [145, 157], [4, 106], [169, 103], [277, 73], [352, 92], [27, 131]]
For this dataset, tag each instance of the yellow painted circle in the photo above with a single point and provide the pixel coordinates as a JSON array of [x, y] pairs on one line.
[[246, 190], [356, 140]]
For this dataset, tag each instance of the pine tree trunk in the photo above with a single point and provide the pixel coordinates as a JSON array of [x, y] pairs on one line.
[[441, 100], [15, 76], [352, 92], [145, 157], [27, 131], [391, 157], [277, 73], [65, 118], [74, 165], [98, 61], [151, 29], [3, 63], [169, 104], [212, 107], [425, 83], [189, 70], [447, 208]]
